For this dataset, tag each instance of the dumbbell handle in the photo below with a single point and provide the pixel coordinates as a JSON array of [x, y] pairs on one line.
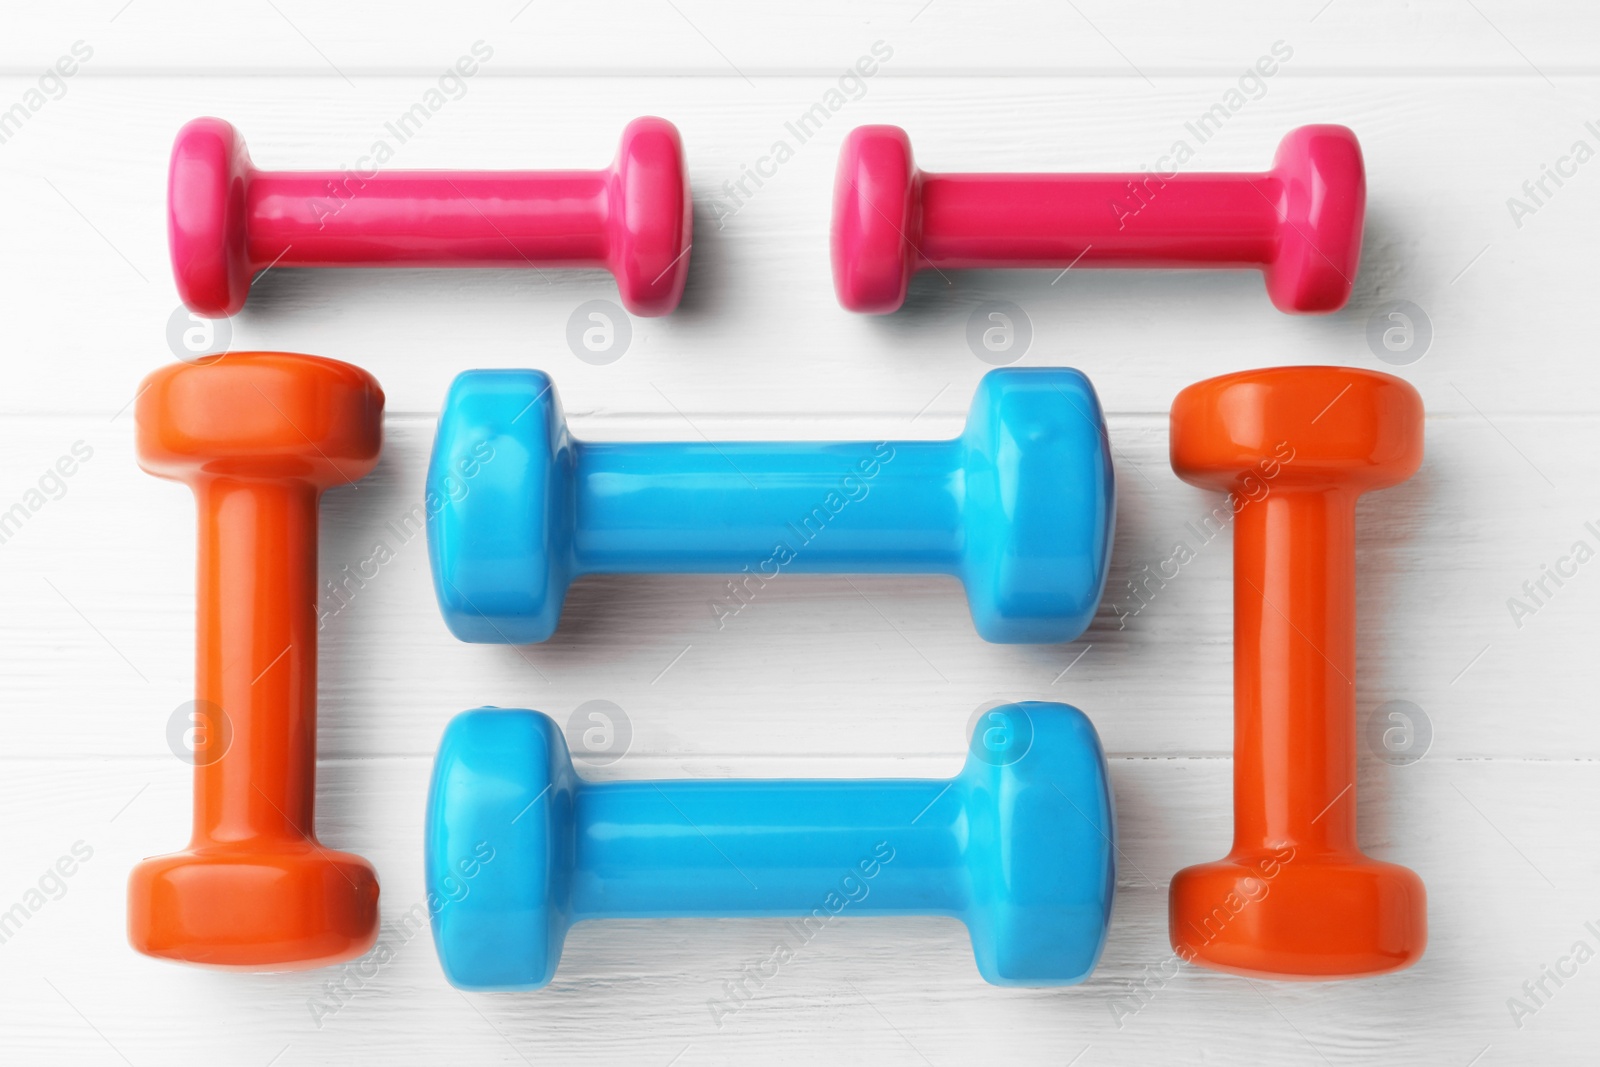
[[688, 848], [1294, 672], [1098, 220], [256, 660], [700, 507], [427, 218]]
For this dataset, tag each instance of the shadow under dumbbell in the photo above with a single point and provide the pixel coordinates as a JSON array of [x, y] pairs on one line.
[[709, 268], [602, 608], [1386, 253], [1129, 541], [1132, 959], [342, 292], [1091, 292], [1390, 613], [1066, 320]]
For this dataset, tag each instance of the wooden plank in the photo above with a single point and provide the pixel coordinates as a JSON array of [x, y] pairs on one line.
[[760, 331], [728, 40], [818, 664], [1485, 835]]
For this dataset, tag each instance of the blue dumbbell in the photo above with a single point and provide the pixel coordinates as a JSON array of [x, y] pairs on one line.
[[1020, 846], [1020, 507]]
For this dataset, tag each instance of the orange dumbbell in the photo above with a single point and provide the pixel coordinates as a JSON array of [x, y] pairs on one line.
[[258, 436], [1296, 898]]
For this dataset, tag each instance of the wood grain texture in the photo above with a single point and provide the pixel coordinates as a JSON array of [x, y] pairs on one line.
[[1456, 105], [1509, 893], [729, 40], [760, 331], [819, 664]]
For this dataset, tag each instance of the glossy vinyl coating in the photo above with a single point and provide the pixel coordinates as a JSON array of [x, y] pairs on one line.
[[1300, 222], [1020, 507], [227, 220], [1020, 846], [1296, 898], [258, 436]]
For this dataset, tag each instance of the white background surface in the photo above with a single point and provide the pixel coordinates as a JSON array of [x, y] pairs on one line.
[[1456, 105]]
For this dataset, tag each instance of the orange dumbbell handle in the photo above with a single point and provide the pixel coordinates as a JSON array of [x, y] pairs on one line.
[[1294, 674], [256, 659]]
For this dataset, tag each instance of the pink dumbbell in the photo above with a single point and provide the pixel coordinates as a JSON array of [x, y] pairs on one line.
[[1300, 222], [227, 220]]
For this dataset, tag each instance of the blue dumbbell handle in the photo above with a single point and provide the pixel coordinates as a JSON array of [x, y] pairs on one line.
[[757, 848], [787, 507]]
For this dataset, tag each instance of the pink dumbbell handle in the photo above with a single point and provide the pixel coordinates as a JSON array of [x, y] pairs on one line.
[[1099, 220], [427, 218]]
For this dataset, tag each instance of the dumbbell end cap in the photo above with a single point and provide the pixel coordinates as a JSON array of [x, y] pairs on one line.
[[1315, 427], [653, 226], [498, 507], [1282, 916], [1041, 852], [270, 416], [1323, 210], [292, 906], [206, 217], [876, 220], [1040, 505], [497, 849]]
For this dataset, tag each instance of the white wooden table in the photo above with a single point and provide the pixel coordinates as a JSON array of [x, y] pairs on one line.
[[1457, 105]]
